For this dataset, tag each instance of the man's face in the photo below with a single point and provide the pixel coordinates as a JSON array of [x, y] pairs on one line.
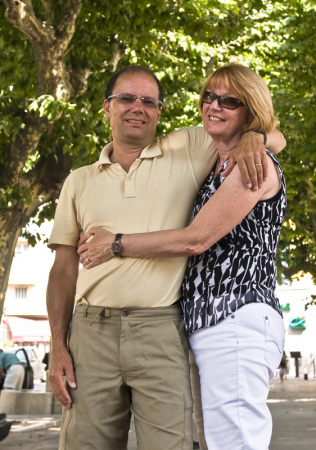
[[133, 125]]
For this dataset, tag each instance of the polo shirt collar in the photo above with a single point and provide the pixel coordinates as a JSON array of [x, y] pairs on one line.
[[151, 151]]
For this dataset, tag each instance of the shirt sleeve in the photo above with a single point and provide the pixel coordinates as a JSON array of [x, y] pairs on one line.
[[202, 152], [197, 145], [66, 228]]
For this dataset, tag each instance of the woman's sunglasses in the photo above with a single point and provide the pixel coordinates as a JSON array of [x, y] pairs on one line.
[[224, 102]]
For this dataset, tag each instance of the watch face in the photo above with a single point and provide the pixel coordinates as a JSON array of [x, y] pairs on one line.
[[116, 247]]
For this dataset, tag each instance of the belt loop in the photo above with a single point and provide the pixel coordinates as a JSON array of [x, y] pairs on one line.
[[97, 315], [86, 311], [106, 312]]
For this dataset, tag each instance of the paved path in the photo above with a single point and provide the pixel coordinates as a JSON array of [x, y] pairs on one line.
[[293, 408], [292, 403]]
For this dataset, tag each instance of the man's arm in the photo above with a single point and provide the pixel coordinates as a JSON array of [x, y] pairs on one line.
[[276, 141], [251, 151], [60, 302]]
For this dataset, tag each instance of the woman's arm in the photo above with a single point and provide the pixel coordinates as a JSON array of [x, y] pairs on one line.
[[227, 207]]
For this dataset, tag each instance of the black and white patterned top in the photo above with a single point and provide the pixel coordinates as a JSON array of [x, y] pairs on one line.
[[240, 267]]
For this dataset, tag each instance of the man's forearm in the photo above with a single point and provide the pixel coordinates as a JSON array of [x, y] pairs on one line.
[[61, 293], [60, 303], [275, 141]]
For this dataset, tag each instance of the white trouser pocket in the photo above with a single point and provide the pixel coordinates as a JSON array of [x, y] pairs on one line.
[[274, 336]]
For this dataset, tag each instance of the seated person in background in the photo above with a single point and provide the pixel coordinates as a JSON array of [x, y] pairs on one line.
[[11, 371]]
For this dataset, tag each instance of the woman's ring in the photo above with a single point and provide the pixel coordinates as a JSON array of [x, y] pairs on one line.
[[258, 164], [88, 260]]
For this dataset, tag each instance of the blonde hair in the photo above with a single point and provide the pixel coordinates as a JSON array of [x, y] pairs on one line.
[[248, 87]]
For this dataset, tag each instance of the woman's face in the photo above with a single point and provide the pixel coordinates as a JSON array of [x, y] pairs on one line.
[[223, 123]]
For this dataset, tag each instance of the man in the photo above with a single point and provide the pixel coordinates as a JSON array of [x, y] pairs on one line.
[[11, 371], [128, 350]]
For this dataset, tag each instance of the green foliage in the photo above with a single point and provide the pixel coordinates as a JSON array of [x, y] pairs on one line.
[[10, 123], [47, 106], [292, 65], [311, 303]]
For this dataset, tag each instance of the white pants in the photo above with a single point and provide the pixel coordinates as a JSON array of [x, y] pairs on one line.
[[14, 377], [236, 358]]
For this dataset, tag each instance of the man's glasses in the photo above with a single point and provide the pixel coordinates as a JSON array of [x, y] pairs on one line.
[[129, 99], [224, 102]]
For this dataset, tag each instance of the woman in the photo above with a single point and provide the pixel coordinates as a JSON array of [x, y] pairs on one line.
[[232, 316]]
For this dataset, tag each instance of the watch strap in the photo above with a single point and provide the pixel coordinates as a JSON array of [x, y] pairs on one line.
[[264, 134], [117, 244]]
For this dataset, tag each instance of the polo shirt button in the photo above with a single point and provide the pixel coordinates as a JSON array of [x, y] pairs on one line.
[[233, 316]]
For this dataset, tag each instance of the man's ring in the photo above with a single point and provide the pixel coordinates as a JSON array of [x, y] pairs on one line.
[[258, 164], [88, 260]]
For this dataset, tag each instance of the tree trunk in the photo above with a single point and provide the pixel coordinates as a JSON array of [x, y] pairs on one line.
[[10, 229], [27, 190]]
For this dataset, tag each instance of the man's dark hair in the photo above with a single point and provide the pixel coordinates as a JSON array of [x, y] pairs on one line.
[[131, 69]]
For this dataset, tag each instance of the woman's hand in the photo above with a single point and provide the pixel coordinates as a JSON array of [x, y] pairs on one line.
[[94, 247]]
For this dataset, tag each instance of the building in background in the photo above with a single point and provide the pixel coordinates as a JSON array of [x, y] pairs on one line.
[[24, 321]]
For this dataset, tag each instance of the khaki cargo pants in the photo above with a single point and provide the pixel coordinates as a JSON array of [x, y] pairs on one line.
[[132, 360]]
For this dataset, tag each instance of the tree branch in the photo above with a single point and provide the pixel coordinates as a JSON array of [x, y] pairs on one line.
[[49, 12], [65, 27], [21, 15]]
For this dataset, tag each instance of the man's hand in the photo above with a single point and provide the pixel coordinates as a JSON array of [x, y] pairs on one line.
[[250, 155], [94, 247], [61, 365]]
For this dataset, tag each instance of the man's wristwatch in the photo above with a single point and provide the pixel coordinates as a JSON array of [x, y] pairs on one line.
[[264, 134], [117, 244]]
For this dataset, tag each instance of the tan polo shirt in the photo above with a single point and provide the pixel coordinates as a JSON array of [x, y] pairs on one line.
[[157, 193]]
